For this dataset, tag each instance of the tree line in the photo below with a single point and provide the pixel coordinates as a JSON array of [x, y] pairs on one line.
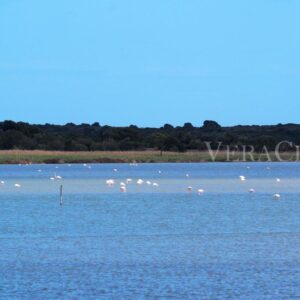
[[94, 137]]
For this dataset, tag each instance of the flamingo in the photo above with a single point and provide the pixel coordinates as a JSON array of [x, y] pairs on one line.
[[110, 182], [251, 190], [242, 178], [200, 191], [17, 185], [277, 196]]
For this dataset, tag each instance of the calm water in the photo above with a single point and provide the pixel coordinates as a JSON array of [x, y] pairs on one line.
[[150, 242]]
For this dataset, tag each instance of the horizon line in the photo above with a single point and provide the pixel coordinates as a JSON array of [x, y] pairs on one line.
[[139, 126]]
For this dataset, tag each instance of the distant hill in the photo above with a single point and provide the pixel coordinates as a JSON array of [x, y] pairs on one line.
[[92, 137]]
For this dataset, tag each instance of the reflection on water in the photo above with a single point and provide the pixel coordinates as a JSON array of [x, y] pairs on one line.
[[151, 242]]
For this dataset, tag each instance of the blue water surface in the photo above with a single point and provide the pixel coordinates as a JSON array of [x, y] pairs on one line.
[[150, 242]]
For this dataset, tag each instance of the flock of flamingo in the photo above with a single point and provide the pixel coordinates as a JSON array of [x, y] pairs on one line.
[[276, 196], [123, 184], [200, 191]]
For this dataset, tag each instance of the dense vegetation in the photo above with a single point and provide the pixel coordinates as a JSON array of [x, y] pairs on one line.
[[85, 137]]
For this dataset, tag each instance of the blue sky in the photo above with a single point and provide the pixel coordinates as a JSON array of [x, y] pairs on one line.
[[150, 62]]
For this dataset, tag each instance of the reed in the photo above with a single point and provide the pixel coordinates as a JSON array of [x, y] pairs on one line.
[[40, 156]]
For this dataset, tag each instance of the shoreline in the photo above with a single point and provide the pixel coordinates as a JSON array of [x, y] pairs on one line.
[[147, 156]]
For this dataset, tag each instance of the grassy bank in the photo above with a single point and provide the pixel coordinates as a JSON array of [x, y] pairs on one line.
[[19, 156]]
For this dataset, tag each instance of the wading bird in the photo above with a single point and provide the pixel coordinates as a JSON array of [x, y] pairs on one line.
[[200, 191]]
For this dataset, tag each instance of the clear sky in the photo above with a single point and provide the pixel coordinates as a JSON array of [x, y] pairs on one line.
[[150, 62]]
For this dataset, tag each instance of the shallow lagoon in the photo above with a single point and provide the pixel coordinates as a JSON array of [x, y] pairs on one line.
[[150, 242]]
